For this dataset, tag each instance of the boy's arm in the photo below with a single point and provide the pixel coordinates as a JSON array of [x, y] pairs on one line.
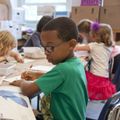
[[28, 88], [81, 47]]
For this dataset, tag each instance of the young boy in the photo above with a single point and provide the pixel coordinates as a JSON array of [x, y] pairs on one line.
[[66, 82]]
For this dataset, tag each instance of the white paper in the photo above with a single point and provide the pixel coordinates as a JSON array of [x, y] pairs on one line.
[[11, 88], [1, 79], [6, 110], [10, 109], [14, 110], [6, 68], [11, 79], [42, 68], [28, 60]]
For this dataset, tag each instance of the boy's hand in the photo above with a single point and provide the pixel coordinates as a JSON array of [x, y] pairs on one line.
[[16, 83], [31, 75]]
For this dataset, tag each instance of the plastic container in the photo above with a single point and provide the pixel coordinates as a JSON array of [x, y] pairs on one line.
[[33, 52], [6, 68]]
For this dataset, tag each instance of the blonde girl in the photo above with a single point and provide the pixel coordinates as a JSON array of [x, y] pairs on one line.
[[100, 86], [7, 43]]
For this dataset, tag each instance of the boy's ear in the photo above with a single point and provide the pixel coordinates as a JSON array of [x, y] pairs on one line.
[[72, 43]]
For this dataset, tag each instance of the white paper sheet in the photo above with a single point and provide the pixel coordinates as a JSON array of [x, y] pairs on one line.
[[1, 79], [42, 68], [11, 110], [11, 79], [11, 88], [15, 110]]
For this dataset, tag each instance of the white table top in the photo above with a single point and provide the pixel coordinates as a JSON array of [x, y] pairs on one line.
[[9, 108]]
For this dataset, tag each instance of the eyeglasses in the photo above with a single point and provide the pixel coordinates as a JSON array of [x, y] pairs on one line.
[[50, 49]]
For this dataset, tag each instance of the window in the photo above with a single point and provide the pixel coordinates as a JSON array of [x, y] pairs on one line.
[[44, 1], [35, 9]]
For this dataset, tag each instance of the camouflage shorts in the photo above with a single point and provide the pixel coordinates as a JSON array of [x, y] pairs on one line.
[[45, 108]]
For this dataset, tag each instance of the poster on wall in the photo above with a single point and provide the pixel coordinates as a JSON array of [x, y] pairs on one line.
[[91, 2]]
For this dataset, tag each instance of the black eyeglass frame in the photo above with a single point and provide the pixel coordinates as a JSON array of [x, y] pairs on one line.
[[50, 49]]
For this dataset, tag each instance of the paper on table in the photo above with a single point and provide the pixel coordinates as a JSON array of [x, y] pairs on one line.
[[24, 112], [28, 60], [7, 111], [10, 109], [11, 88], [1, 79], [42, 68], [11, 79]]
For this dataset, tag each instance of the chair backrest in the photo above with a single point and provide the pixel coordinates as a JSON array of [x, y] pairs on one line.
[[111, 62], [116, 78], [111, 109], [116, 63]]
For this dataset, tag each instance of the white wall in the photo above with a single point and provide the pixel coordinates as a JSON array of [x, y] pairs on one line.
[[76, 2], [13, 3]]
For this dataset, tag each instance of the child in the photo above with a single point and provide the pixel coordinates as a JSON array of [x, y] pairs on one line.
[[84, 30], [66, 82], [7, 43], [84, 37], [34, 40], [100, 86]]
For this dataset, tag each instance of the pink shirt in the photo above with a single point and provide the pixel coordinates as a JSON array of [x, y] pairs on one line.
[[116, 51]]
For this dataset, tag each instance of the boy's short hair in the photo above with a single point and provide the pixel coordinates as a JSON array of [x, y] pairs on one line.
[[65, 27]]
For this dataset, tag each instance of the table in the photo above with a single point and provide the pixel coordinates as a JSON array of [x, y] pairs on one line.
[[14, 105], [19, 68]]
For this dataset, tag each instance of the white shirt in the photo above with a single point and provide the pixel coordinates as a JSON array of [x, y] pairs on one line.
[[100, 55]]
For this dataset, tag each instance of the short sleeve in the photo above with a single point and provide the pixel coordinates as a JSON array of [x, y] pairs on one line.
[[91, 45], [50, 81]]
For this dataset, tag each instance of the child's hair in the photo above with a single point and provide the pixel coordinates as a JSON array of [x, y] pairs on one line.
[[84, 26], [103, 32], [7, 41], [65, 28], [42, 22]]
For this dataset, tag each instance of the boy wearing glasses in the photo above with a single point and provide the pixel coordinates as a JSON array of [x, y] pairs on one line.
[[66, 82]]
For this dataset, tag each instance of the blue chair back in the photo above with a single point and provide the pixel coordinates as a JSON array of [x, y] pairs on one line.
[[111, 109]]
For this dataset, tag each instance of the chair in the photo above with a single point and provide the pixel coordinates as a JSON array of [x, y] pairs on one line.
[[111, 109], [116, 72], [116, 78], [116, 63]]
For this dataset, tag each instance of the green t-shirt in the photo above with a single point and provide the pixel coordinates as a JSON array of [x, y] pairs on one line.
[[66, 83]]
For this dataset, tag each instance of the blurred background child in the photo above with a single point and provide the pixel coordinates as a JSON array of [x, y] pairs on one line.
[[84, 37], [84, 30], [100, 86], [34, 40], [7, 43]]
